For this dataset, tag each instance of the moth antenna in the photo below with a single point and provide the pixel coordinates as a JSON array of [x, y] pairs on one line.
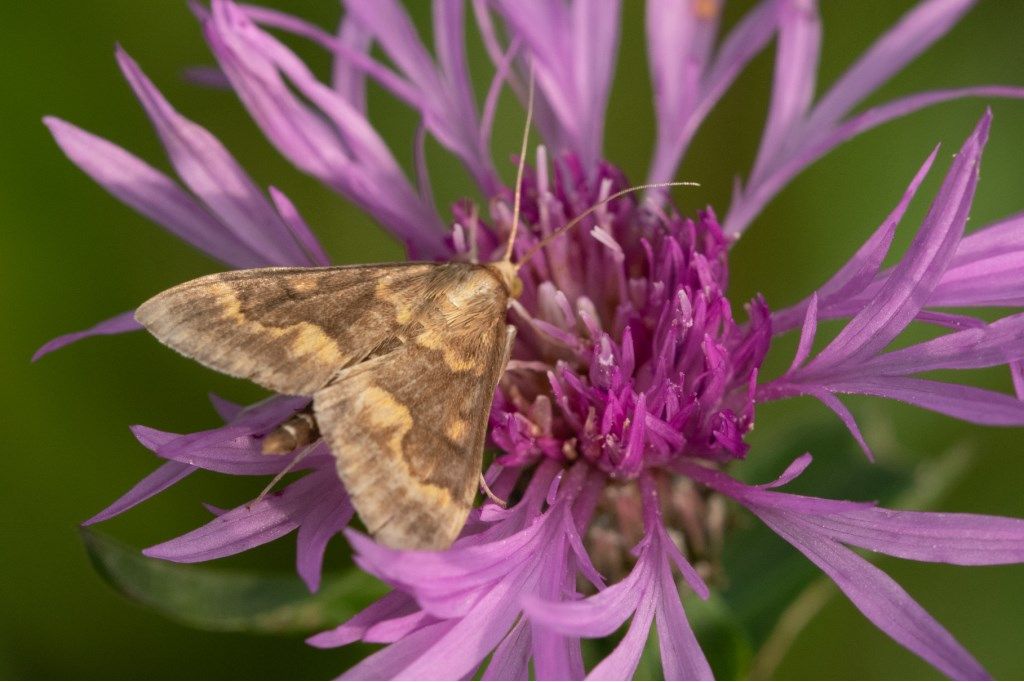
[[517, 202], [284, 472], [490, 493], [533, 250]]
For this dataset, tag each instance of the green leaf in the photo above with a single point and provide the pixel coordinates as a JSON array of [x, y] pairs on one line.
[[229, 600]]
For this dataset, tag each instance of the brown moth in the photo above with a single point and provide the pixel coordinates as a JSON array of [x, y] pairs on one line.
[[401, 361]]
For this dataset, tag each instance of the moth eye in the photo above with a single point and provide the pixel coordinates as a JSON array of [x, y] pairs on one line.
[[517, 287]]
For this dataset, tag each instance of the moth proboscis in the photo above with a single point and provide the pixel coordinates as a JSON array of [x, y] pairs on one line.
[[401, 361]]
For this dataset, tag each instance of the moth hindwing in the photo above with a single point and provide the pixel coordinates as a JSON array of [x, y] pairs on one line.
[[401, 361]]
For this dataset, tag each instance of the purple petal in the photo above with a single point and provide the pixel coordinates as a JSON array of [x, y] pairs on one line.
[[246, 526], [915, 33], [459, 651], [910, 283], [511, 660], [796, 71], [963, 539], [255, 420], [747, 39], [345, 151], [263, 51], [795, 468], [328, 516], [971, 404], [266, 414], [460, 99], [621, 663], [232, 455], [596, 616], [679, 44], [682, 564], [995, 344], [290, 23], [391, 606], [747, 494], [555, 656], [836, 405], [394, 629], [315, 254], [151, 193], [595, 47], [207, 77], [950, 320], [390, 25], [681, 655], [572, 52], [389, 662], [991, 240], [1017, 375], [807, 334], [983, 272], [164, 477], [862, 268], [502, 74], [993, 280], [446, 100], [347, 80], [226, 410], [754, 199], [462, 567], [880, 599], [214, 176], [119, 324], [297, 132]]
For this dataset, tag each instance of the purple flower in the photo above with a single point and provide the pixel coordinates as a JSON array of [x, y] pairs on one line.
[[632, 384]]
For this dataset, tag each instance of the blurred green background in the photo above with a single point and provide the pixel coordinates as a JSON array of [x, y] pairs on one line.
[[70, 255]]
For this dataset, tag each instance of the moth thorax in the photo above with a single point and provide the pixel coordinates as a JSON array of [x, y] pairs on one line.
[[506, 274], [298, 430]]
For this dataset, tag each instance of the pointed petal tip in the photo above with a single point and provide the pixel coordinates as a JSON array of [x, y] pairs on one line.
[[984, 125], [197, 9], [115, 325], [323, 640], [165, 551], [312, 582], [53, 123], [44, 349], [124, 59]]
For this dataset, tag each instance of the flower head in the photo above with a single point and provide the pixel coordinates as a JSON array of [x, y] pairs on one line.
[[633, 381]]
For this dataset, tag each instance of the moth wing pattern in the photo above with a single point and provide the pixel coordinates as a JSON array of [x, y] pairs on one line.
[[407, 431], [289, 329]]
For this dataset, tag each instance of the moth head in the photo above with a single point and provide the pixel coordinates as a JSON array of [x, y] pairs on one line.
[[506, 273]]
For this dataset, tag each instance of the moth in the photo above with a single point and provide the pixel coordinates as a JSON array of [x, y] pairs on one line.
[[401, 361]]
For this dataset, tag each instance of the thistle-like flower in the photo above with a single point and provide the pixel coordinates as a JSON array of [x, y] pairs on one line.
[[632, 384]]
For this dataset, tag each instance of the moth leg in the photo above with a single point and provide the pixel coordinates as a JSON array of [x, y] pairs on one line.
[[486, 489], [284, 472], [510, 337]]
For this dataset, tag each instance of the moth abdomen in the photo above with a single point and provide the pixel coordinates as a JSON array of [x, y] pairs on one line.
[[297, 431]]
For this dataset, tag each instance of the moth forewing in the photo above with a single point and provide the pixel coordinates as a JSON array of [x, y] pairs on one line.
[[407, 429], [287, 329], [401, 360]]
